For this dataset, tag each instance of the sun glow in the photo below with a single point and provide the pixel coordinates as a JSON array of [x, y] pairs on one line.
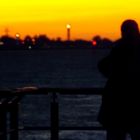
[[88, 18]]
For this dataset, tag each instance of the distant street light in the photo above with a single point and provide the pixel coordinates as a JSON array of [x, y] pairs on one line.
[[17, 35], [68, 31], [17, 38]]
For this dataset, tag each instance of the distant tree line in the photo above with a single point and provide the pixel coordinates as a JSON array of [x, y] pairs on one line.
[[43, 42]]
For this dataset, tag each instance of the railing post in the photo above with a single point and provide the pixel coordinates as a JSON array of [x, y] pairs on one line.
[[54, 117], [13, 120], [3, 124]]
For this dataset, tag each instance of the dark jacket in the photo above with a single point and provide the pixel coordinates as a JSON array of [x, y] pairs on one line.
[[120, 101]]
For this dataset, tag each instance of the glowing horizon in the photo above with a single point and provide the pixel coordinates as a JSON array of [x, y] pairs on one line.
[[87, 18]]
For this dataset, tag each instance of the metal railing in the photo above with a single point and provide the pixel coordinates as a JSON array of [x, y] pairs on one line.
[[11, 98]]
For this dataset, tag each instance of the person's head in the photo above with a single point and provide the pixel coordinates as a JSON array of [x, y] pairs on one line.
[[129, 29]]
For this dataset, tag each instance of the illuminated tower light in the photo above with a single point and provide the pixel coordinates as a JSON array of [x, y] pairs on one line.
[[68, 26]]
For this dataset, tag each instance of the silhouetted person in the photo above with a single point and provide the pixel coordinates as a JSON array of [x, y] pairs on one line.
[[120, 110]]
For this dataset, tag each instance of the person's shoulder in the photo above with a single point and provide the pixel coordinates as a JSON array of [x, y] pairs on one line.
[[117, 43]]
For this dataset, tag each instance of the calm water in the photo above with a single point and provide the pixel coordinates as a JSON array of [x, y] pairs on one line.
[[55, 68]]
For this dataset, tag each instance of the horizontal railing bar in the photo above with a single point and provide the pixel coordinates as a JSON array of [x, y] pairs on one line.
[[40, 128], [45, 90], [82, 128], [34, 128]]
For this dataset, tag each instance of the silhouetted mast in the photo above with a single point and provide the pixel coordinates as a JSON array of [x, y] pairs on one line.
[[6, 31]]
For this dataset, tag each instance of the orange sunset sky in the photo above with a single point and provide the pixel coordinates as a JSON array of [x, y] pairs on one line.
[[87, 17]]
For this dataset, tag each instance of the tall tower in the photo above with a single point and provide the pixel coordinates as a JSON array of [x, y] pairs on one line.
[[6, 31], [68, 31]]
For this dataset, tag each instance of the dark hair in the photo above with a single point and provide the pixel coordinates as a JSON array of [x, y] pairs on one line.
[[129, 29]]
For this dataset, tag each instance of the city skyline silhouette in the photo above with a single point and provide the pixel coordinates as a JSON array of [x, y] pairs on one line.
[[87, 18]]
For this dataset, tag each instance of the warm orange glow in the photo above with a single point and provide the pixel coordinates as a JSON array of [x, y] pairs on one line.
[[88, 18]]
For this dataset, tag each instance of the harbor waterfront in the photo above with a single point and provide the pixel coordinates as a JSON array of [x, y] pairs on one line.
[[55, 68]]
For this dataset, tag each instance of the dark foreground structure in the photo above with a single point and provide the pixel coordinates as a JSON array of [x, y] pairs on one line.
[[9, 103]]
